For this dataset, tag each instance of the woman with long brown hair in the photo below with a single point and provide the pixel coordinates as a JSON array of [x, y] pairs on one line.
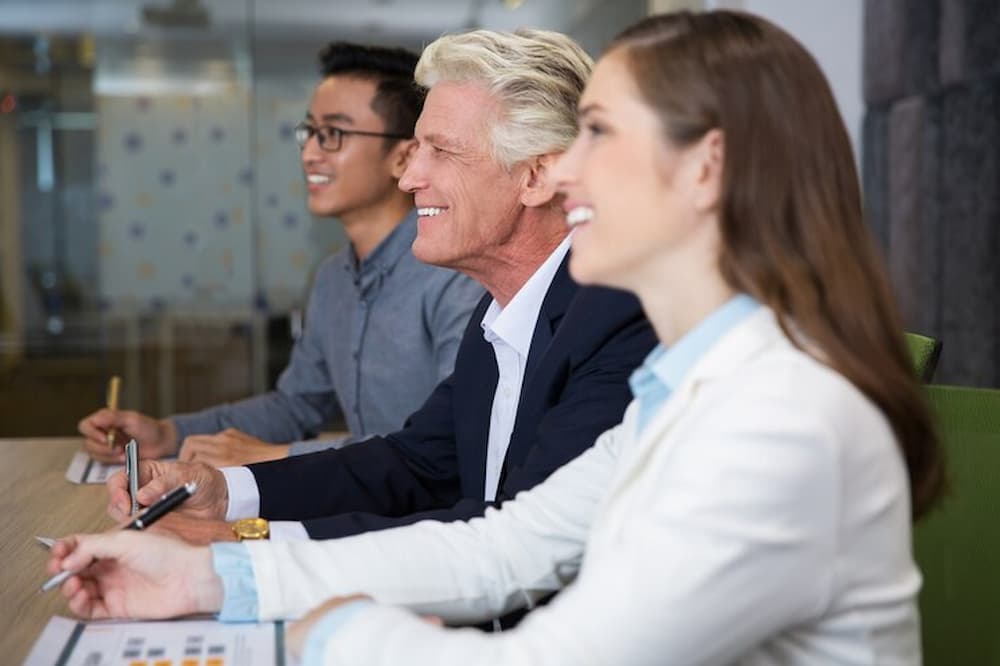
[[754, 506]]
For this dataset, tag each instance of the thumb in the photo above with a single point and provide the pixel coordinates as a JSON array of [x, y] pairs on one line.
[[88, 547]]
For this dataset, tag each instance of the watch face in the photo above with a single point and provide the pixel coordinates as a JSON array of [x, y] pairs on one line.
[[251, 528]]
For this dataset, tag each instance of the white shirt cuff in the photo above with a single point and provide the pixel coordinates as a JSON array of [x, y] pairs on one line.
[[286, 530], [244, 496]]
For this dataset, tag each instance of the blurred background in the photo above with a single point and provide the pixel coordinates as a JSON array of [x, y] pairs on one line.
[[152, 209]]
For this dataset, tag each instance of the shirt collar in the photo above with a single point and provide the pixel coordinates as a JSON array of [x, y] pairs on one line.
[[515, 323], [386, 254], [668, 366]]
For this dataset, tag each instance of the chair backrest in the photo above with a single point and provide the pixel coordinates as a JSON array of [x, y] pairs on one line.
[[925, 352], [957, 546]]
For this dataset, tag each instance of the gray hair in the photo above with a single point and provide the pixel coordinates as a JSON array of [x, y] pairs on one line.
[[536, 75]]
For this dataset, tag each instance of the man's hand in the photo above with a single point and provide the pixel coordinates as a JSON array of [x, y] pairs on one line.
[[229, 448], [127, 574], [298, 632], [157, 478], [156, 437], [195, 531]]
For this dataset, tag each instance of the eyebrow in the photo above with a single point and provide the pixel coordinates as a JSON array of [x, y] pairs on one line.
[[586, 110], [446, 142], [332, 118]]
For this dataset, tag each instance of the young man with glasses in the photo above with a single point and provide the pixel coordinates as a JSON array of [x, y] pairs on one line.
[[382, 329]]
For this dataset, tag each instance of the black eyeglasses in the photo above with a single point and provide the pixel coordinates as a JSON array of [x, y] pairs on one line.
[[331, 138]]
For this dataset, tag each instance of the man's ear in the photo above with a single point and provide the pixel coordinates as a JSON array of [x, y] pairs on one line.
[[400, 156], [538, 185]]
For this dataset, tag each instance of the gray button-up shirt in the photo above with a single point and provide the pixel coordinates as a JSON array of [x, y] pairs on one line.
[[378, 338]]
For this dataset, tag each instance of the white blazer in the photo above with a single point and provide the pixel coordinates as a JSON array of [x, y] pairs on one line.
[[762, 517]]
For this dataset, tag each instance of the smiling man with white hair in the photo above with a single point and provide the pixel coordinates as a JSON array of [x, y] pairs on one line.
[[542, 368]]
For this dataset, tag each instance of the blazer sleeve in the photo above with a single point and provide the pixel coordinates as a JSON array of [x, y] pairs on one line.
[[412, 470]]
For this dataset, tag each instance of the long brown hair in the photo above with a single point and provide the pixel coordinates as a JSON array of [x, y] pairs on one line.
[[793, 232]]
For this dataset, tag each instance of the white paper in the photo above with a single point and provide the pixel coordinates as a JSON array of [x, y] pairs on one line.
[[48, 542], [169, 642], [84, 469]]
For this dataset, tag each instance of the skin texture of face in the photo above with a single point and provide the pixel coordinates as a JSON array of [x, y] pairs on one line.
[[470, 205], [637, 185], [645, 208], [361, 175]]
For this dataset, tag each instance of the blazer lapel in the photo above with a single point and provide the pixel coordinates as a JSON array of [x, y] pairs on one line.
[[726, 357], [554, 306]]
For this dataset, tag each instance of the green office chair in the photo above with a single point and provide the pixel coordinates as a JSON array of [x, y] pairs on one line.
[[957, 546], [925, 352]]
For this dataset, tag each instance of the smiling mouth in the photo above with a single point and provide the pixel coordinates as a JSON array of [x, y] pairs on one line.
[[578, 215], [430, 211], [317, 179]]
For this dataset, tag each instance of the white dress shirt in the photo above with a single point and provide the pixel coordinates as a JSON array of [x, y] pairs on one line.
[[509, 330]]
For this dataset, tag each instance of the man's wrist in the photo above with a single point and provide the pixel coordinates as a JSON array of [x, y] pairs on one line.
[[168, 435]]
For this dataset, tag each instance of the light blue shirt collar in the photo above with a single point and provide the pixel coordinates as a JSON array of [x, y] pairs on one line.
[[663, 369]]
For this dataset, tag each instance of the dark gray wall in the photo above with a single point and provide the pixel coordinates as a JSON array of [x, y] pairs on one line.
[[931, 171]]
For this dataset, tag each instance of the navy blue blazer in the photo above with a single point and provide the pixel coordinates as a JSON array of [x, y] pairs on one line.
[[587, 341]]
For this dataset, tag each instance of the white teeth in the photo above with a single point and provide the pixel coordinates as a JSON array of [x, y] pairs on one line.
[[317, 179], [579, 215], [430, 212]]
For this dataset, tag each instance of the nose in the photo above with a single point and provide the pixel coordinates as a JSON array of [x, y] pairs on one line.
[[415, 175], [311, 152], [566, 168]]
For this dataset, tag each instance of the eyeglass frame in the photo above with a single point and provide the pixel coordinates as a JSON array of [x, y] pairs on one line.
[[309, 131]]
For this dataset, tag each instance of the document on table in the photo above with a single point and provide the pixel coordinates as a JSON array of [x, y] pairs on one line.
[[84, 469], [66, 642]]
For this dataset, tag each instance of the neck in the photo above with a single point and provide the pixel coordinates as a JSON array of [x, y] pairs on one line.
[[367, 227], [507, 267], [677, 300]]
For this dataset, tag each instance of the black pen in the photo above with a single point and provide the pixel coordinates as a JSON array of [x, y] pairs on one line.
[[154, 512]]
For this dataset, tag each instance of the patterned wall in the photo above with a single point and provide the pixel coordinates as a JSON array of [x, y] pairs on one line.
[[201, 200], [932, 171]]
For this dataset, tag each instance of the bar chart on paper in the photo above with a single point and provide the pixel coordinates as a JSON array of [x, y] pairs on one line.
[[176, 643]]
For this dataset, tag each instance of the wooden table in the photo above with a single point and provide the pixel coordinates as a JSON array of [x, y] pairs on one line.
[[36, 499]]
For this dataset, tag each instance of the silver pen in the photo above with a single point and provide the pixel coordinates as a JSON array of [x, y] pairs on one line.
[[157, 510]]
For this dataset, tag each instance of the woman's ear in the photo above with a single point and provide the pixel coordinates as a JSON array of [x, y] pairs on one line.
[[710, 156], [538, 184]]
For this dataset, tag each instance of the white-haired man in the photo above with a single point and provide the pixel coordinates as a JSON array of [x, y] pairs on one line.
[[542, 368]]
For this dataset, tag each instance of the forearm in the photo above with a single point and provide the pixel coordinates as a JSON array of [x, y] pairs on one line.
[[272, 417], [349, 524], [508, 558]]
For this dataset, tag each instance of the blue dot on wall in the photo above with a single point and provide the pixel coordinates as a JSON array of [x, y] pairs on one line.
[[167, 177], [105, 201], [217, 134], [157, 303], [290, 220], [286, 131], [190, 238], [187, 280], [221, 219], [260, 301], [178, 136], [271, 200], [133, 142], [246, 176], [137, 231]]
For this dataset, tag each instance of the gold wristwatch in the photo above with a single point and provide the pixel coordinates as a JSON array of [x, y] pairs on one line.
[[251, 528]]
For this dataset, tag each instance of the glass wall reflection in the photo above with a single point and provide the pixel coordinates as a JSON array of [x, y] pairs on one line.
[[152, 208]]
